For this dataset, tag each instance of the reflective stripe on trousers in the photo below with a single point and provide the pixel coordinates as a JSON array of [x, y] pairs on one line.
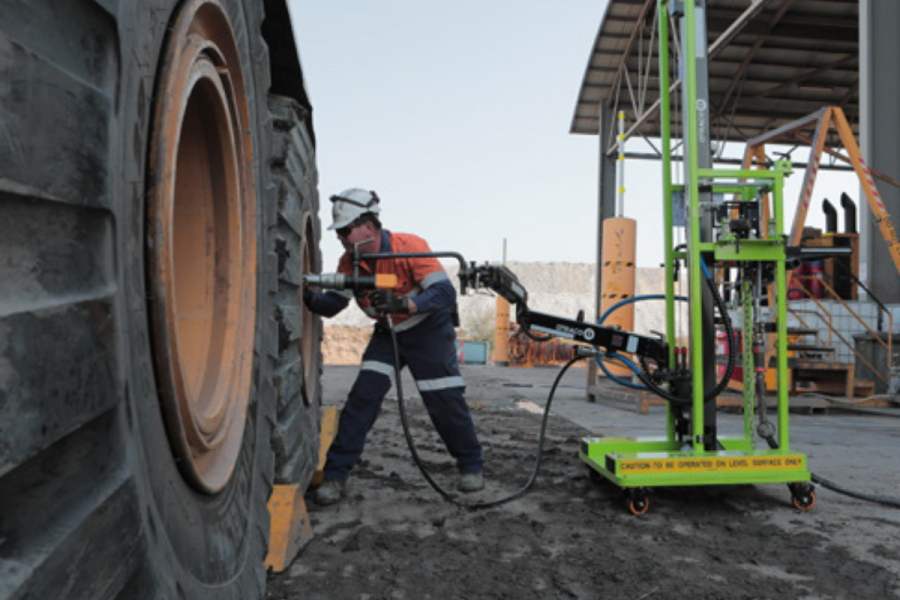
[[430, 353]]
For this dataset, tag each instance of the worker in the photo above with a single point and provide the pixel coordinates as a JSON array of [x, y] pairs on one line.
[[422, 308]]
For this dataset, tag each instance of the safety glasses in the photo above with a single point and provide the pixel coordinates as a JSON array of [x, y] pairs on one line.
[[346, 230]]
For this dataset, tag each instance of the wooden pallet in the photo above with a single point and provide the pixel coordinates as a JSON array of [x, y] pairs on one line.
[[822, 377]]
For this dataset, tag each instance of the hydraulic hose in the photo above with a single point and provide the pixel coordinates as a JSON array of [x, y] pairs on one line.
[[537, 338], [527, 330], [627, 362], [628, 301], [644, 373], [415, 454], [825, 483], [886, 500], [729, 332]]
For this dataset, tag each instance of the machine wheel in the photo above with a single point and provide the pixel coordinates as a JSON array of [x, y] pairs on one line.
[[143, 359], [637, 501], [803, 496]]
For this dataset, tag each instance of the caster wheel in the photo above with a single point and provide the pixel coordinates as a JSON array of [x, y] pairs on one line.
[[637, 502], [803, 496], [805, 501]]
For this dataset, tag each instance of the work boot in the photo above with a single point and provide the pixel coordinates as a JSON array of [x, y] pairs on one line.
[[471, 482], [330, 492]]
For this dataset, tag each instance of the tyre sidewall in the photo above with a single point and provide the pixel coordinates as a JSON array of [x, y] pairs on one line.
[[201, 546]]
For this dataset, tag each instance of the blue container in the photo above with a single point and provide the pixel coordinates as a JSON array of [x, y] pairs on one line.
[[472, 352]]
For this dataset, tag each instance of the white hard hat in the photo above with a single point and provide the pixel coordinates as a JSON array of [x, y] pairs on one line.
[[351, 204]]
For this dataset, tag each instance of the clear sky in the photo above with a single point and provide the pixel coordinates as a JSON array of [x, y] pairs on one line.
[[458, 114]]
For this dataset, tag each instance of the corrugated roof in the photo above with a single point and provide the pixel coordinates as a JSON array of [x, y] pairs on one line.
[[788, 59]]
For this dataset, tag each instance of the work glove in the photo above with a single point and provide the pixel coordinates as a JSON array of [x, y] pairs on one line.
[[384, 301], [308, 296]]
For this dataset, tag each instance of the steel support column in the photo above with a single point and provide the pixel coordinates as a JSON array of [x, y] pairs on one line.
[[698, 155], [879, 47], [606, 207], [606, 197]]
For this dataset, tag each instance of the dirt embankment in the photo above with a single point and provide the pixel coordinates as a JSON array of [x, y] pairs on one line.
[[344, 345]]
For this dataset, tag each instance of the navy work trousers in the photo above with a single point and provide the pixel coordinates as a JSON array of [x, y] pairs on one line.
[[429, 350]]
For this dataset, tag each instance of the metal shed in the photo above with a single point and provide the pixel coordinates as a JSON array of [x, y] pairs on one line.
[[771, 63]]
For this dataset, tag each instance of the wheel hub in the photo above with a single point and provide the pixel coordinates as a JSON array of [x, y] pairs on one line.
[[202, 246]]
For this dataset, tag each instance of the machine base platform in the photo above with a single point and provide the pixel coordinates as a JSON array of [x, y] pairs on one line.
[[657, 462]]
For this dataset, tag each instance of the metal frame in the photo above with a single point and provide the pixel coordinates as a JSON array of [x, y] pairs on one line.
[[708, 459]]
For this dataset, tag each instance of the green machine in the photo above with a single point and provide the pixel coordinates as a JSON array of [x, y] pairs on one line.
[[739, 240]]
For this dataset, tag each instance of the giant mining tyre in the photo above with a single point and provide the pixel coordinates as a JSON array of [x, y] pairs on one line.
[[153, 217]]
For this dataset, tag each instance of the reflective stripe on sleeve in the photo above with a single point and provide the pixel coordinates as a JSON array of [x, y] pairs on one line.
[[433, 278], [348, 294], [433, 385]]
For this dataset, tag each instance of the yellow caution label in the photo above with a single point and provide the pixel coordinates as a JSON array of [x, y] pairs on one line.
[[694, 465]]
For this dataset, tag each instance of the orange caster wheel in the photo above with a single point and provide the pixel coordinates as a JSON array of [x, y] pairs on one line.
[[803, 496], [637, 502], [805, 501]]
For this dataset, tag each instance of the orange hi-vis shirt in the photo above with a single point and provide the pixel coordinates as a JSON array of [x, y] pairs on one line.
[[416, 278]]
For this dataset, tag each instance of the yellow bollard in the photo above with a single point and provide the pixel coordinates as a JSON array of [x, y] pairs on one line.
[[500, 355]]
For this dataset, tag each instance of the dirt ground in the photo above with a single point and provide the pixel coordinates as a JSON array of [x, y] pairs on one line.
[[571, 537]]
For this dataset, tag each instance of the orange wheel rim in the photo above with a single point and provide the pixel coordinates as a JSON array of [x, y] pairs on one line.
[[202, 245], [638, 511], [799, 506]]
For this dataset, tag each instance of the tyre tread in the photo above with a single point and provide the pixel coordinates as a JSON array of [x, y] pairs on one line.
[[292, 164]]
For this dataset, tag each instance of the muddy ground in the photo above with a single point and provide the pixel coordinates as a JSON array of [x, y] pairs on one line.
[[571, 537]]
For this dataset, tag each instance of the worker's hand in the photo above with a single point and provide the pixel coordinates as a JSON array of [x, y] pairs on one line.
[[384, 301]]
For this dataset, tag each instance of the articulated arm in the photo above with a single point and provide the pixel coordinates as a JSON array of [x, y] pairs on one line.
[[608, 338], [504, 282]]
